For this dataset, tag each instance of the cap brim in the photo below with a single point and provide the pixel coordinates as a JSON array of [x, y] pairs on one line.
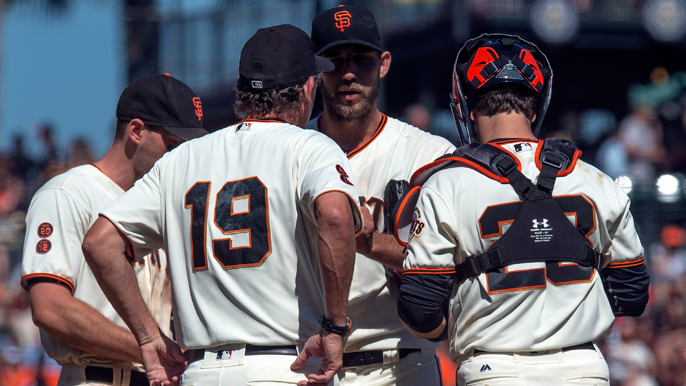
[[323, 64], [186, 133], [349, 41]]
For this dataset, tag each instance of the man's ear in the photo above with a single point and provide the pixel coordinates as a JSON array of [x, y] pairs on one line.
[[134, 130], [309, 89], [533, 119], [385, 64]]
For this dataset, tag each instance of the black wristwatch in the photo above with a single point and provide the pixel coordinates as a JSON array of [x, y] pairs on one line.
[[328, 326]]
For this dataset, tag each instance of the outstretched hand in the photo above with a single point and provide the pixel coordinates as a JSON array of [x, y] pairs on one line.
[[164, 361], [327, 346]]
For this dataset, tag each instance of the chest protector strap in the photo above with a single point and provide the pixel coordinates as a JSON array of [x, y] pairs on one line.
[[540, 232]]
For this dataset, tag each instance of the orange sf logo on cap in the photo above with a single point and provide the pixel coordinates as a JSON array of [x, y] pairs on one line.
[[342, 20], [198, 107]]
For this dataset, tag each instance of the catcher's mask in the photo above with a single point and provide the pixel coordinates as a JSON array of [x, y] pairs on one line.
[[496, 59]]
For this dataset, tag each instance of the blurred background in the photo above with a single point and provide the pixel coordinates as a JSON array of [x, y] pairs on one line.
[[619, 93]]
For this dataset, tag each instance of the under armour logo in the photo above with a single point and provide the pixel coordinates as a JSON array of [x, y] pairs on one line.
[[543, 223], [342, 20], [198, 108], [485, 367]]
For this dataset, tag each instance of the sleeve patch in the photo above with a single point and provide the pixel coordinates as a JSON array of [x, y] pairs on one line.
[[344, 175], [45, 230], [43, 246]]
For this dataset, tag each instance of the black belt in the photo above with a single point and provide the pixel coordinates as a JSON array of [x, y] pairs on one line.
[[106, 375], [199, 353], [582, 346], [365, 358]]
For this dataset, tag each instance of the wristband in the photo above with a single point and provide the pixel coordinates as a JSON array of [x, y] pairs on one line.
[[328, 326]]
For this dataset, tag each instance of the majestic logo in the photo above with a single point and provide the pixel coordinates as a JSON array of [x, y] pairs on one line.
[[45, 230], [485, 367], [256, 84], [224, 354], [344, 176], [198, 108], [342, 20], [243, 126], [543, 223]]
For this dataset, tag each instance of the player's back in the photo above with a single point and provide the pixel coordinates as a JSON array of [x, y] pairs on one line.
[[240, 229], [529, 306]]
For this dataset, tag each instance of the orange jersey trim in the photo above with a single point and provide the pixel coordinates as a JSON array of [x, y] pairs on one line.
[[512, 140], [354, 152], [401, 208], [49, 276], [429, 271], [105, 174], [265, 120], [626, 264], [359, 214], [561, 173]]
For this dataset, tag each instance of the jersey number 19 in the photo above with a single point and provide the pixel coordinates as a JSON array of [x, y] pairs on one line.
[[240, 207]]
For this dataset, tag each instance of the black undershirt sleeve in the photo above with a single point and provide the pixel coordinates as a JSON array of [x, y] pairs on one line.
[[423, 300], [627, 289]]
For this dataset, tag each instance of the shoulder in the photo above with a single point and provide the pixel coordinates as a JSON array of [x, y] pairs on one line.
[[78, 181]]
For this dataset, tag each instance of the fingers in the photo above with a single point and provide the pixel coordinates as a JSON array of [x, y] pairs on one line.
[[301, 359]]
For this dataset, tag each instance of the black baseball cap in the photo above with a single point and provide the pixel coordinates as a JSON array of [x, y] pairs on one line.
[[160, 100], [345, 24], [278, 57]]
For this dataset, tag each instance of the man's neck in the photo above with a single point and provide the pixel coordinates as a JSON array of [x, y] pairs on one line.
[[350, 134], [504, 125], [117, 166]]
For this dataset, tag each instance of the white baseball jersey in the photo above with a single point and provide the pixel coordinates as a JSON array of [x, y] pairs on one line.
[[394, 152], [530, 306], [235, 210], [60, 214]]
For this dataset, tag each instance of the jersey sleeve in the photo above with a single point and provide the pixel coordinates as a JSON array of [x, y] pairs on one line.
[[432, 243], [429, 268], [137, 214], [625, 278], [624, 244], [56, 224], [326, 169]]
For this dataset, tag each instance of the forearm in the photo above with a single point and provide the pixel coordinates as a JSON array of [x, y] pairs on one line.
[[79, 325], [105, 251], [336, 248], [386, 250]]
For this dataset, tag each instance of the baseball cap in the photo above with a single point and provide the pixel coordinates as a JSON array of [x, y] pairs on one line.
[[160, 100], [278, 57], [345, 24]]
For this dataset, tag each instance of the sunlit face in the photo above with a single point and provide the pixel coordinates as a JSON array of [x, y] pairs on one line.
[[350, 91], [155, 141]]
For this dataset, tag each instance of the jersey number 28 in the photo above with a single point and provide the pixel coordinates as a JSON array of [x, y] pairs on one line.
[[557, 273], [240, 207]]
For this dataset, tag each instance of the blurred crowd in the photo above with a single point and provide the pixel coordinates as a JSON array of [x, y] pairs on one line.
[[649, 141], [23, 361]]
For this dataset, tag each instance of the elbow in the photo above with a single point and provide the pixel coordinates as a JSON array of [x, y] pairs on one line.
[[333, 212]]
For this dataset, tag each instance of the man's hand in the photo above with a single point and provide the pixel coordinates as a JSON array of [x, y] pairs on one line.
[[325, 345], [164, 361], [365, 241]]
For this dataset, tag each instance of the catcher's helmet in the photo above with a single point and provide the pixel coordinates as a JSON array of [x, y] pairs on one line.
[[495, 59]]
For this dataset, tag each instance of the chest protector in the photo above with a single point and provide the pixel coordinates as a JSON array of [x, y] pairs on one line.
[[540, 231]]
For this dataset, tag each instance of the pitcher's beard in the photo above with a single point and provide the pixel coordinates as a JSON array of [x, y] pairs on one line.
[[345, 110]]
